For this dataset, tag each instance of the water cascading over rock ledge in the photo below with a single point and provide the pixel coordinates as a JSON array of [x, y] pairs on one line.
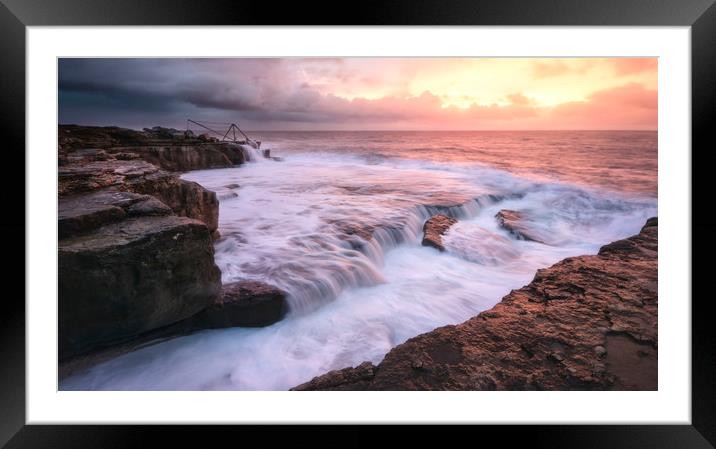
[[135, 249], [585, 323]]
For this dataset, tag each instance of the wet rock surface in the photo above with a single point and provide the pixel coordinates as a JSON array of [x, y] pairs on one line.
[[517, 224], [243, 303], [435, 228], [126, 278], [585, 323]]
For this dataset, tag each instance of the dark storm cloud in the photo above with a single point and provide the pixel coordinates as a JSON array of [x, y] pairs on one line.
[[262, 89]]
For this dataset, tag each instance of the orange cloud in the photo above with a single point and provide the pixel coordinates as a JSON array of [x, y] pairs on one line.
[[549, 69], [518, 99], [626, 107], [629, 106], [628, 66]]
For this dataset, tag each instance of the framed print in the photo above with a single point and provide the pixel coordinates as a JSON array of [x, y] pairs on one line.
[[422, 214]]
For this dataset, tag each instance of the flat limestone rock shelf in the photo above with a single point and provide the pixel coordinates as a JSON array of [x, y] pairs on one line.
[[585, 323], [167, 150], [79, 214], [177, 157], [87, 187]]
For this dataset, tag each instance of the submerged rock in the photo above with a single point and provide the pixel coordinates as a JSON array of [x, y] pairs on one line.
[[228, 196], [516, 224], [435, 228], [126, 278], [585, 323], [479, 245]]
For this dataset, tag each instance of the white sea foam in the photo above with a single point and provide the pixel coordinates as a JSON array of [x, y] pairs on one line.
[[252, 154], [341, 234]]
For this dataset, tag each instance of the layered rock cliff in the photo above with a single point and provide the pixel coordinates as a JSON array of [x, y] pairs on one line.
[[161, 149], [585, 323], [135, 250], [133, 276], [87, 185]]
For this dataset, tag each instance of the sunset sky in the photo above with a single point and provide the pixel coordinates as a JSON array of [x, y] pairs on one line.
[[363, 93]]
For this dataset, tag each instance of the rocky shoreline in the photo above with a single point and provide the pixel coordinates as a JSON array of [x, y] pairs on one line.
[[135, 249], [136, 267], [585, 323]]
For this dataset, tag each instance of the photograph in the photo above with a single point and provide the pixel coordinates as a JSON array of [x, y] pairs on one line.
[[357, 223], [322, 225]]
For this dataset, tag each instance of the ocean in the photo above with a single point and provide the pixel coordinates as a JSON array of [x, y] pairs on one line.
[[304, 224]]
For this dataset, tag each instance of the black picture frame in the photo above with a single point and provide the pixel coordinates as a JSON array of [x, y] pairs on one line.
[[16, 15]]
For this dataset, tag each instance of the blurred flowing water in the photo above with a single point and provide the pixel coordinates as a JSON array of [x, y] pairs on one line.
[[338, 222]]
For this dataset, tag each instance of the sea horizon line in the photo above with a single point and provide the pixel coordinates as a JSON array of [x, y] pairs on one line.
[[393, 130]]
